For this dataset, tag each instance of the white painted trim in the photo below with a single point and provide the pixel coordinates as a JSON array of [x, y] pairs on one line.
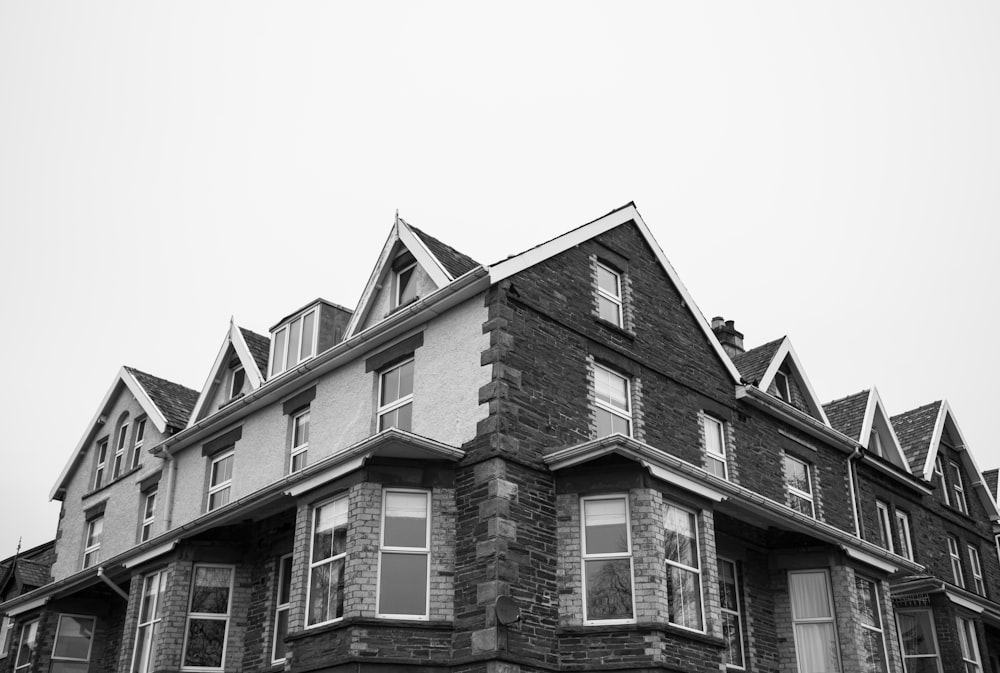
[[627, 554], [875, 404], [425, 551], [374, 281], [254, 376], [431, 265], [517, 263], [785, 350], [149, 554], [144, 400], [326, 476], [27, 607], [870, 559], [964, 602]]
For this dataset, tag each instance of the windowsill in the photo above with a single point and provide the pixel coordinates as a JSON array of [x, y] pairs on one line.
[[368, 622], [607, 324], [112, 482], [670, 629]]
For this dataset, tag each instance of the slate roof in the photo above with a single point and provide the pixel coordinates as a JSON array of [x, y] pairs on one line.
[[32, 573], [914, 429], [991, 478], [754, 362], [260, 348], [175, 401], [847, 414], [452, 260]]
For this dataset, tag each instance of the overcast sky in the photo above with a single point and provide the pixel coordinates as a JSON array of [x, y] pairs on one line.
[[824, 170]]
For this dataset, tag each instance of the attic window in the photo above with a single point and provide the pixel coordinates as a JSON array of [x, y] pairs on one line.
[[237, 377], [875, 444], [781, 384], [406, 285], [293, 342]]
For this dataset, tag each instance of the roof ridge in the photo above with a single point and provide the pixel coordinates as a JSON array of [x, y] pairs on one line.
[[136, 370], [866, 391], [456, 263]]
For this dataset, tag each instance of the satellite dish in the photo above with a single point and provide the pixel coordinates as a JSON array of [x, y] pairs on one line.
[[507, 610]]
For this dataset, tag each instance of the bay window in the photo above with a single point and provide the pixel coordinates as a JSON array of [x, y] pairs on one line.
[[918, 641], [969, 643], [71, 649], [283, 603], [327, 559], [684, 602], [26, 646], [404, 554], [208, 618], [813, 625], [732, 615], [873, 652], [607, 560], [154, 587]]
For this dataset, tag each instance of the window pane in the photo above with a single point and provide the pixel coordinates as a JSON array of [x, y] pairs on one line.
[[301, 430], [330, 532], [405, 520], [308, 325], [607, 281], [872, 652], [608, 310], [206, 640], [211, 590], [611, 389], [816, 646], [800, 504], [609, 589], [684, 597], [278, 365], [403, 589], [218, 499], [145, 654], [917, 633], [680, 537], [26, 645], [326, 592], [734, 644], [280, 631], [222, 470], [69, 667], [73, 637], [717, 467], [284, 580], [406, 286], [868, 603], [390, 386], [713, 437], [605, 526], [727, 586], [299, 461], [405, 380], [797, 475], [294, 331], [608, 424], [810, 596]]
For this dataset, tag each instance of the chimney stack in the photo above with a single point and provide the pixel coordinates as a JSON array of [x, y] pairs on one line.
[[725, 331]]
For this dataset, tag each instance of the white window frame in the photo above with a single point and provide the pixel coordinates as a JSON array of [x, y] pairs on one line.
[[738, 613], [210, 616], [959, 487], [399, 402], [90, 546], [904, 537], [610, 408], [222, 485], [329, 560], [584, 556], [148, 513], [302, 448], [832, 619], [281, 360], [6, 629], [29, 637], [233, 391], [102, 462], [976, 567], [885, 524], [120, 444], [969, 645], [795, 492], [712, 425], [880, 629], [140, 435], [875, 443], [956, 561], [615, 299], [148, 629], [279, 607], [936, 654], [696, 571], [398, 286], [90, 644], [783, 386], [939, 473], [426, 551]]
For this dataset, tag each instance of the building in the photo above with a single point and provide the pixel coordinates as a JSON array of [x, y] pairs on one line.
[[551, 463]]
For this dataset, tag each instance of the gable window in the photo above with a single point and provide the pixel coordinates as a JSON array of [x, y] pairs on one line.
[[71, 650], [404, 554], [939, 475], [140, 433], [102, 458], [732, 615], [406, 285], [154, 587], [918, 640], [884, 525], [970, 645], [799, 485], [958, 500], [300, 440], [395, 406], [870, 619], [326, 562], [120, 451], [956, 561], [715, 446], [683, 568], [903, 539], [26, 646], [220, 480], [92, 543], [208, 618], [6, 630], [813, 622], [283, 602], [782, 386], [607, 560], [237, 377], [976, 569], [148, 513], [875, 444], [612, 399], [609, 295], [293, 343]]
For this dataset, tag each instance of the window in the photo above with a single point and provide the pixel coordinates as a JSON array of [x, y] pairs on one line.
[[140, 432], [939, 475], [919, 643], [148, 514], [220, 481], [813, 622], [715, 446], [884, 525], [977, 571], [904, 540], [870, 619], [150, 614], [799, 486], [300, 440], [404, 555], [781, 385], [293, 343], [956, 561], [959, 500], [732, 619], [71, 650], [609, 295], [283, 601], [92, 543], [102, 458], [120, 451], [607, 560], [970, 646], [326, 562], [612, 397], [208, 618], [395, 398], [683, 568], [875, 444], [237, 377], [406, 285], [27, 645], [6, 630]]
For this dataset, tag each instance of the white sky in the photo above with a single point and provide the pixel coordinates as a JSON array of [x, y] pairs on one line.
[[823, 170]]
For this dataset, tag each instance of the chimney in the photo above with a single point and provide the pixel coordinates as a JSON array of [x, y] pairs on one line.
[[725, 331]]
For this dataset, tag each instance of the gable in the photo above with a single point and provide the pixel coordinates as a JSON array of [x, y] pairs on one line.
[[235, 356], [786, 378], [383, 302]]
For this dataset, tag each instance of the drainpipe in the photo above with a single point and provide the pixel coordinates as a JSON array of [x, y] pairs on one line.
[[168, 514], [114, 587], [854, 495]]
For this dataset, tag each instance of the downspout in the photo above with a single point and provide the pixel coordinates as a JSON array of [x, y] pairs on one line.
[[853, 492], [168, 514], [114, 587]]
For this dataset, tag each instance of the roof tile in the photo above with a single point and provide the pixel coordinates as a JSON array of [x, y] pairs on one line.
[[847, 415], [914, 429], [454, 262], [260, 348], [175, 401], [753, 363]]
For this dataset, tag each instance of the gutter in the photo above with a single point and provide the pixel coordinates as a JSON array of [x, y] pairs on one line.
[[794, 417]]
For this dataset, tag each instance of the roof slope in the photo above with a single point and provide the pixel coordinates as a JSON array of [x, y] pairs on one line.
[[753, 364], [847, 415], [260, 347], [915, 429], [453, 261], [991, 479], [33, 573], [174, 400]]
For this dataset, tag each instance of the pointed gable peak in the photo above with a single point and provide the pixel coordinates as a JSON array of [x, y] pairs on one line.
[[237, 369], [784, 376], [915, 429], [863, 417]]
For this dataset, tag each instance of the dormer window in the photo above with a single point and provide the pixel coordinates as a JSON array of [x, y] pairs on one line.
[[406, 285], [293, 342], [782, 387], [237, 377], [875, 444]]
